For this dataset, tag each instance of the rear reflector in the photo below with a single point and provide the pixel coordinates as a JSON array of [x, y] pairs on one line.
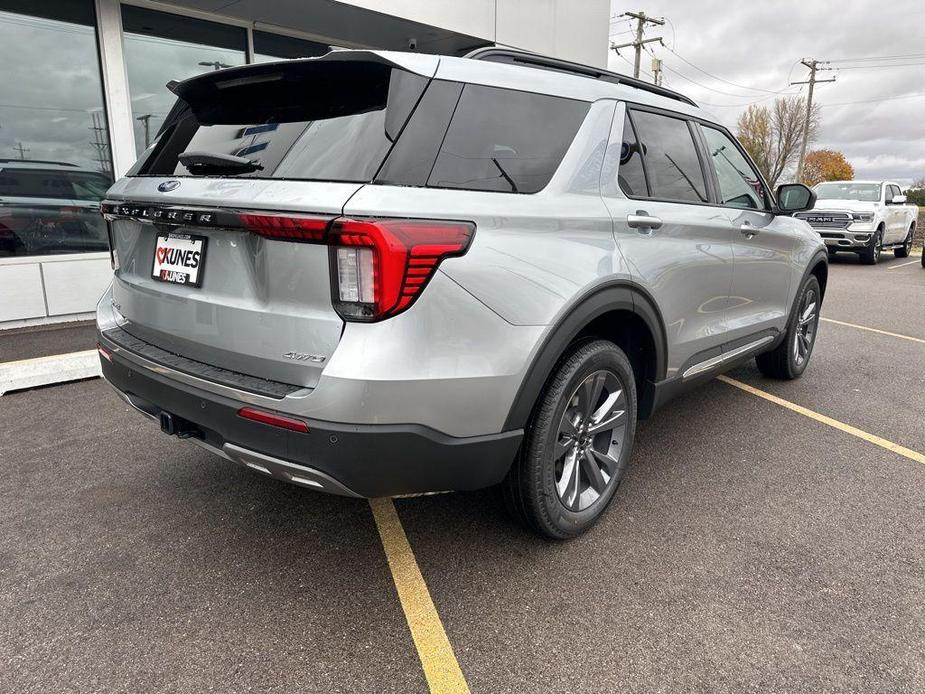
[[273, 419], [383, 265], [105, 353]]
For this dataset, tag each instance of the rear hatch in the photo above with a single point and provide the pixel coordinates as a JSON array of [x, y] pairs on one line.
[[215, 229]]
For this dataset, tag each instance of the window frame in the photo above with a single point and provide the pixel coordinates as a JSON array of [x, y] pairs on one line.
[[709, 183], [714, 197]]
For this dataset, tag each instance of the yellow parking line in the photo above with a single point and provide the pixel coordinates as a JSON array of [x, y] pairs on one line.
[[434, 650], [841, 426], [873, 330]]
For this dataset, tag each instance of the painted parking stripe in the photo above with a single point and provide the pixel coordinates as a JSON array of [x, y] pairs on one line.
[[911, 262], [841, 426], [873, 330], [441, 668]]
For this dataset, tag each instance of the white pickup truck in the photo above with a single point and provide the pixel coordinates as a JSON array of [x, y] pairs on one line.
[[863, 217]]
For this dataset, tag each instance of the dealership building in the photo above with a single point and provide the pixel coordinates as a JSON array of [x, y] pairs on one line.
[[83, 93]]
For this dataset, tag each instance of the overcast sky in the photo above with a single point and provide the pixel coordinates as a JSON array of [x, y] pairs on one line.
[[759, 45]]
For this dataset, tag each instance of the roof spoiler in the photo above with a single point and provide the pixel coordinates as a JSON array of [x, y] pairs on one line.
[[542, 62], [255, 73]]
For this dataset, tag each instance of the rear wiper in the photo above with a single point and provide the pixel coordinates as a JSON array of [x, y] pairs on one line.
[[505, 175], [212, 164]]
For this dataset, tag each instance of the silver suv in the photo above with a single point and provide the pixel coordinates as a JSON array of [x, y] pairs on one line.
[[378, 273]]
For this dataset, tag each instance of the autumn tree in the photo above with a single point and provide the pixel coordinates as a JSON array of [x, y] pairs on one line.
[[916, 192], [772, 136], [826, 165]]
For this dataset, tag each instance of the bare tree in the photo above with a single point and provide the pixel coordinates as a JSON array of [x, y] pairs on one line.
[[773, 135]]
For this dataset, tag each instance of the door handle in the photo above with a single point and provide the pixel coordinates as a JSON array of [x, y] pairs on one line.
[[747, 229], [643, 220]]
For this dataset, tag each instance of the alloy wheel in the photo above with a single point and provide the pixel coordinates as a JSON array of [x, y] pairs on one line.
[[589, 440], [805, 333]]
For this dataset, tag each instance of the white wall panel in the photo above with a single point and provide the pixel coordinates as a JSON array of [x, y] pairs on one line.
[[74, 286], [569, 29], [21, 292], [472, 17]]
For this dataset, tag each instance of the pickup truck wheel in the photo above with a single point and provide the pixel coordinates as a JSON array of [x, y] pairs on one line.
[[789, 359], [903, 251], [871, 254], [577, 444]]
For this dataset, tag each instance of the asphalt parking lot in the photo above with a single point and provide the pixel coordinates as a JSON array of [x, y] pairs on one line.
[[750, 548]]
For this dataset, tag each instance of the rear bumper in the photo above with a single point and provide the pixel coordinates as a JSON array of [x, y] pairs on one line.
[[354, 460]]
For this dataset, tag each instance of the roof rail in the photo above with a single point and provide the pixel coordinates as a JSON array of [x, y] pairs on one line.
[[35, 161], [516, 57]]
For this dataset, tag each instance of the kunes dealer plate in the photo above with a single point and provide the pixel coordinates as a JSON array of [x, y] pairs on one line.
[[179, 258]]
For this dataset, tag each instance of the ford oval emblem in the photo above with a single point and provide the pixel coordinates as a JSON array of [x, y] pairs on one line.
[[168, 186]]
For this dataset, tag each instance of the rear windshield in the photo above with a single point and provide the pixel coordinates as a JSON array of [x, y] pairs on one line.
[[53, 183], [363, 122], [335, 125]]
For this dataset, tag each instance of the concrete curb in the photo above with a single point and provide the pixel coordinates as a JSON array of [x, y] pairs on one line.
[[59, 368]]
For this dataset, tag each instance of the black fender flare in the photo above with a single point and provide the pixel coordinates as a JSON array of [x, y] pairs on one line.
[[820, 256], [614, 296]]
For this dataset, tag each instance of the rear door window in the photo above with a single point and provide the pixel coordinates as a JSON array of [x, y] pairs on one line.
[[505, 141], [324, 121], [671, 158]]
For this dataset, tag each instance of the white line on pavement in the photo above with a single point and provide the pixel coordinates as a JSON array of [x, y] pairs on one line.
[[911, 262]]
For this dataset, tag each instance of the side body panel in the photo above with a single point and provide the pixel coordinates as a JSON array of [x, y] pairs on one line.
[[763, 250], [686, 264]]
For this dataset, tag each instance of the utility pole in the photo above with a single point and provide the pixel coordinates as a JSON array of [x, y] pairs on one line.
[[99, 142], [641, 20], [657, 71], [22, 150], [814, 66], [145, 121]]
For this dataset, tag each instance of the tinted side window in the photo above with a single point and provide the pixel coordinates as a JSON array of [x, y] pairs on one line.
[[671, 158], [504, 140], [411, 159], [739, 185], [630, 175]]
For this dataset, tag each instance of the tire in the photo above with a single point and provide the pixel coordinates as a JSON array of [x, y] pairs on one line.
[[871, 254], [903, 251], [552, 487], [790, 358]]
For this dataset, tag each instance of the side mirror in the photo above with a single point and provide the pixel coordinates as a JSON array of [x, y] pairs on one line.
[[898, 200], [794, 197]]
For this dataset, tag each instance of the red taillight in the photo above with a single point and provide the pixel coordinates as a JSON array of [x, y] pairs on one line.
[[273, 419], [382, 265], [105, 353], [289, 228]]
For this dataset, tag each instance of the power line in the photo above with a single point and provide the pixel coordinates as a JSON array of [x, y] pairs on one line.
[[725, 81], [878, 58], [874, 101], [874, 67]]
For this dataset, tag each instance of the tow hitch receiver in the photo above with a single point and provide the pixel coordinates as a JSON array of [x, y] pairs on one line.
[[179, 427]]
